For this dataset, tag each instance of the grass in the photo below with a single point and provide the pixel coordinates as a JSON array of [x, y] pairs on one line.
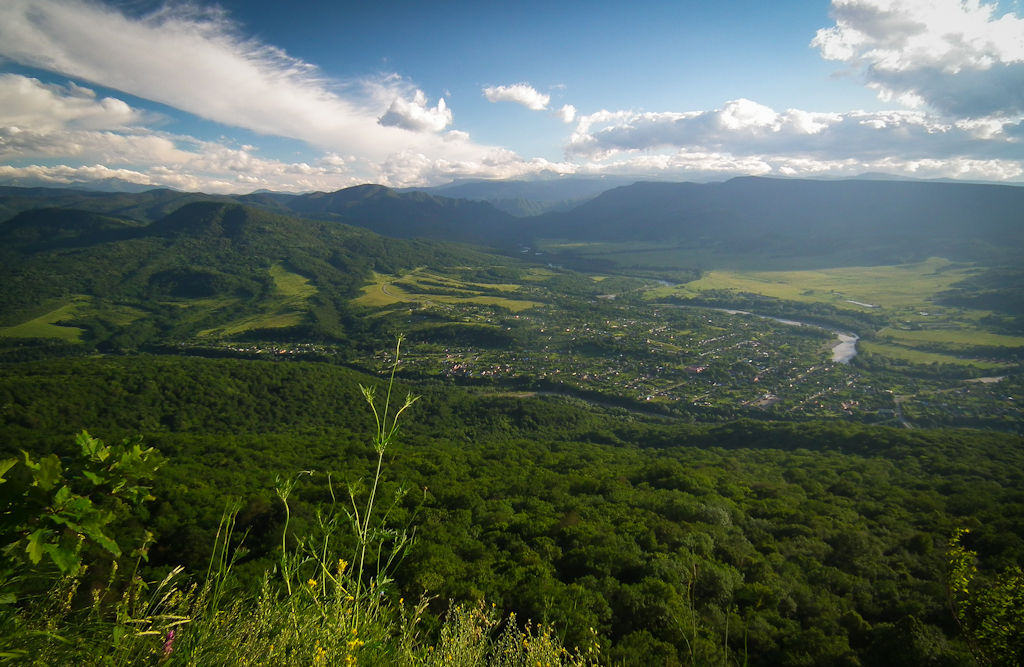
[[285, 308], [45, 326], [538, 275], [291, 287], [897, 287], [966, 336], [423, 277], [387, 290], [923, 357]]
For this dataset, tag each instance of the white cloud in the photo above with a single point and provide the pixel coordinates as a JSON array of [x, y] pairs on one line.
[[520, 93], [740, 126], [70, 124], [197, 62], [747, 137], [959, 57], [716, 166], [28, 103], [415, 115], [957, 65]]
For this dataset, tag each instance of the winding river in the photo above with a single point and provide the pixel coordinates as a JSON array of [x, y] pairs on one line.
[[842, 352]]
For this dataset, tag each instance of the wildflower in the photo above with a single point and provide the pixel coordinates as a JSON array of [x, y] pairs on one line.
[[342, 564], [312, 583], [169, 644]]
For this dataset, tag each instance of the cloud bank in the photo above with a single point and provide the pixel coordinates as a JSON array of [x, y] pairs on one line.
[[746, 137], [958, 57], [954, 71]]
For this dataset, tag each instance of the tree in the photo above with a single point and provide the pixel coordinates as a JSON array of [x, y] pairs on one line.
[[991, 616]]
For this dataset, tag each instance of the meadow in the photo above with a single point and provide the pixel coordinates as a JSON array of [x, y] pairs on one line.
[[920, 330], [427, 287], [285, 307], [46, 325]]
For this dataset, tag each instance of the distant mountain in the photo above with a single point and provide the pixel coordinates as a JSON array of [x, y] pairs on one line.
[[816, 222], [527, 198], [883, 220], [48, 228], [400, 214], [381, 209], [97, 185], [140, 206]]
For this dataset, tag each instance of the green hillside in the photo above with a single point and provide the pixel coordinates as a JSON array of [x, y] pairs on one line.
[[206, 271]]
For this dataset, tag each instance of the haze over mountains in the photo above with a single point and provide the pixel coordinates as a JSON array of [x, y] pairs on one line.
[[884, 221]]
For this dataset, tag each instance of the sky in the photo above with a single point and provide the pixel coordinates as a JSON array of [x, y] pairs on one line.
[[246, 95]]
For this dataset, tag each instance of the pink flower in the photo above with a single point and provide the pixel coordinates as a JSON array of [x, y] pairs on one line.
[[169, 643]]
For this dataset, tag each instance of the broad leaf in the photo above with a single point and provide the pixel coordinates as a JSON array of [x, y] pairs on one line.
[[35, 545], [6, 465], [48, 473]]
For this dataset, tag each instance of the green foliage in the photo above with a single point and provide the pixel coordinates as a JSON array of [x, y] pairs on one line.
[[990, 610], [64, 514]]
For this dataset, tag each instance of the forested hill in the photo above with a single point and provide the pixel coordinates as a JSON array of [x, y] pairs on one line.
[[888, 220], [398, 214], [381, 209], [208, 266]]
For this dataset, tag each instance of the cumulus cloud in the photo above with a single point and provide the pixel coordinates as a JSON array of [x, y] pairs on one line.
[[567, 113], [415, 115], [520, 93], [197, 61], [31, 104], [740, 124], [746, 137], [962, 58]]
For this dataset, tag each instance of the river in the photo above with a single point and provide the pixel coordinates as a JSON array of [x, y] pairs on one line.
[[843, 352]]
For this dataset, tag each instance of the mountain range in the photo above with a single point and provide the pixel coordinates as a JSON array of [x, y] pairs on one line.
[[885, 219]]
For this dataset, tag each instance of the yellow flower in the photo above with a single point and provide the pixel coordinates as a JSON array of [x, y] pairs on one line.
[[312, 583], [342, 564]]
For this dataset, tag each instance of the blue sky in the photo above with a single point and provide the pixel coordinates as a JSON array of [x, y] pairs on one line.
[[244, 95]]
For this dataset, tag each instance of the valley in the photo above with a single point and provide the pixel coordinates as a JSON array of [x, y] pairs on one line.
[[610, 433]]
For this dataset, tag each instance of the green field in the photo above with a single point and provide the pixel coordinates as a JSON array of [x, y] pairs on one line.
[[966, 336], [899, 287], [923, 357], [904, 294], [386, 290], [45, 326], [291, 287], [286, 307]]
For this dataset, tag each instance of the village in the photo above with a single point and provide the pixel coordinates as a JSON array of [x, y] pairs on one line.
[[682, 361]]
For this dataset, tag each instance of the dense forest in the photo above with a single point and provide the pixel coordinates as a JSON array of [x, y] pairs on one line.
[[823, 543]]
